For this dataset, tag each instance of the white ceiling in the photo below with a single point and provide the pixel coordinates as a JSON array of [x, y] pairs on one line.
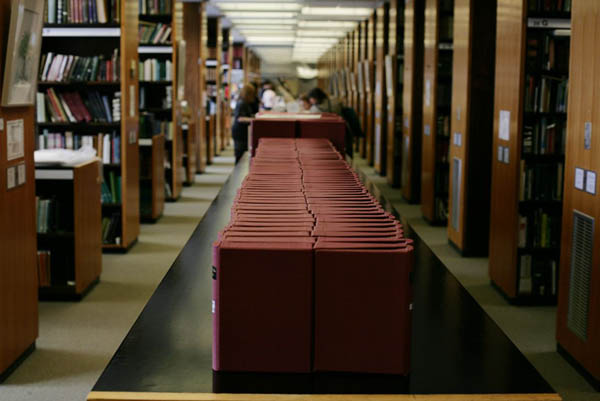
[[289, 32]]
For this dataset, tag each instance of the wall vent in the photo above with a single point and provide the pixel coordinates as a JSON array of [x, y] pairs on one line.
[[582, 247]]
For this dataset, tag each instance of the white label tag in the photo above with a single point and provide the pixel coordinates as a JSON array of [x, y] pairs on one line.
[[506, 159], [504, 131], [15, 140], [590, 182], [428, 92], [579, 178], [457, 139], [427, 130], [131, 100], [11, 180], [214, 306], [21, 174], [587, 137], [500, 154]]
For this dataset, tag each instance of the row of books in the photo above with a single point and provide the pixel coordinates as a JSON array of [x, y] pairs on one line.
[[44, 259], [149, 98], [546, 136], [545, 94], [537, 276], [111, 229], [444, 95], [539, 230], [150, 126], [211, 74], [82, 11], [154, 7], [443, 126], [541, 181], [72, 107], [549, 5], [548, 52], [66, 140], [155, 70], [68, 68], [154, 33], [47, 215], [110, 189]]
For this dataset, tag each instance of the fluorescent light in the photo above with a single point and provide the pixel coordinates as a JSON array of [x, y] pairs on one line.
[[321, 33], [263, 21], [258, 6], [270, 39], [316, 40], [326, 24], [269, 28], [338, 11], [306, 72], [259, 14], [265, 32]]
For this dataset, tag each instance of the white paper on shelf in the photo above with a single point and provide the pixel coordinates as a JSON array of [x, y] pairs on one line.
[[504, 129], [106, 150], [579, 178], [15, 140], [65, 157], [590, 182]]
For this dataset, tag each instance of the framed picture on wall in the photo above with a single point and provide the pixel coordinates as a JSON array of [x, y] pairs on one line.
[[23, 53]]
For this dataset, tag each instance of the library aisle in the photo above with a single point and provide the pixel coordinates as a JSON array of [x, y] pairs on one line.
[[77, 339], [531, 329]]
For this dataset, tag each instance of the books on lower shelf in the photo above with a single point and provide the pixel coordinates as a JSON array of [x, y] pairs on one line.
[[110, 189], [150, 126], [537, 276], [546, 136], [150, 99], [108, 146], [545, 94], [155, 70], [211, 73], [56, 67], [541, 181], [44, 259], [154, 7], [47, 215], [111, 229], [74, 107], [539, 229], [82, 11], [154, 33]]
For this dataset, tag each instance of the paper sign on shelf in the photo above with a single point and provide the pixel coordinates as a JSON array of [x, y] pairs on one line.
[[428, 92], [15, 140], [504, 131], [21, 174], [579, 178], [590, 182], [11, 180], [587, 138]]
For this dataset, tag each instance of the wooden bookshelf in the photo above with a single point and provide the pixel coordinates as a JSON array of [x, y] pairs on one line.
[[201, 22], [213, 82], [437, 100], [160, 95], [74, 240], [579, 287], [412, 100], [18, 272], [226, 66], [380, 119], [523, 262], [192, 34], [362, 87], [394, 62], [152, 178], [354, 40], [369, 72], [472, 119], [90, 40]]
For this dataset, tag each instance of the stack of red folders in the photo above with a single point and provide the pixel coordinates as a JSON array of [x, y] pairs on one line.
[[310, 274]]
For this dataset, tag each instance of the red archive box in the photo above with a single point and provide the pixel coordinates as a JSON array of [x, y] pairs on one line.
[[362, 307], [262, 306]]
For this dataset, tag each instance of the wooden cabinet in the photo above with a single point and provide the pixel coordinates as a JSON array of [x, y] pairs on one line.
[[471, 126], [70, 230], [412, 100], [578, 323]]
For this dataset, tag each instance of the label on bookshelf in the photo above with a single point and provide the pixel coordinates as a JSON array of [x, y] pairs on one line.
[[145, 142], [11, 180], [506, 155], [131, 100], [500, 154], [81, 32], [132, 137], [587, 137], [579, 179], [1, 124], [427, 130], [457, 139], [46, 174], [15, 140], [504, 131], [553, 23], [458, 110], [21, 176], [428, 93], [590, 182]]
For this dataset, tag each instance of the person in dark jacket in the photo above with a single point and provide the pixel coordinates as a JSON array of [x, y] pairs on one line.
[[244, 110]]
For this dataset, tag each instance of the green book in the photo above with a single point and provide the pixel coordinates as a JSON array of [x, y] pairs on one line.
[[113, 188]]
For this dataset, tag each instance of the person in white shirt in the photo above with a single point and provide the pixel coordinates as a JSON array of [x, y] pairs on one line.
[[268, 96]]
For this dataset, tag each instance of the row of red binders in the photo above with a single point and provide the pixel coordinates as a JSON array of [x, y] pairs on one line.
[[310, 274]]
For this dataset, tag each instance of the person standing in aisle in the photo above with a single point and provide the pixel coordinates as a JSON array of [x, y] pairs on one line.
[[268, 96], [244, 111], [321, 103]]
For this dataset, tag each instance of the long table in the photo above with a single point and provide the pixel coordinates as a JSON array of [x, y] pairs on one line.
[[456, 347]]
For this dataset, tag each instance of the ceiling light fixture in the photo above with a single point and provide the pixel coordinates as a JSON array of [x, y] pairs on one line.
[[252, 6], [242, 15], [338, 11]]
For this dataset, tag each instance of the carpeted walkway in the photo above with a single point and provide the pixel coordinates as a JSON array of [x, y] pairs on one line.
[[77, 339]]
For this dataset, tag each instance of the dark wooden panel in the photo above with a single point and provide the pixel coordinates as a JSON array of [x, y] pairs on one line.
[[584, 90], [380, 133], [158, 175], [510, 52]]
